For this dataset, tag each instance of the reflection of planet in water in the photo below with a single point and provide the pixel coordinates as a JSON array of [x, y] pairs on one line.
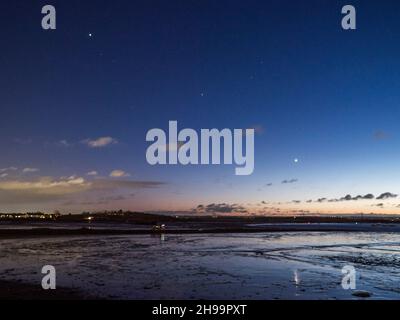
[[296, 277]]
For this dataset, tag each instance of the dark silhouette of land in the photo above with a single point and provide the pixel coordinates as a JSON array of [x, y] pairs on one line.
[[152, 218], [126, 223]]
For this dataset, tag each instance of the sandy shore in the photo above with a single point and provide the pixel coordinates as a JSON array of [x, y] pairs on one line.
[[260, 261], [259, 266]]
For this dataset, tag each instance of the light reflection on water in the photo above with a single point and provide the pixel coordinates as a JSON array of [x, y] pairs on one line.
[[297, 265]]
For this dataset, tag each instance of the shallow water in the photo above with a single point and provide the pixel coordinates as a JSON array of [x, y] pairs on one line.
[[296, 265]]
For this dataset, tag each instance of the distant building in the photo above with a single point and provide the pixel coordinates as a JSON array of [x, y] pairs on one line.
[[29, 216]]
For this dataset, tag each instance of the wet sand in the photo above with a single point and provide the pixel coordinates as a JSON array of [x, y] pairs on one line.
[[14, 290], [268, 265]]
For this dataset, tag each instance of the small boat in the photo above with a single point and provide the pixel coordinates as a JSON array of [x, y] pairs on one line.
[[159, 227]]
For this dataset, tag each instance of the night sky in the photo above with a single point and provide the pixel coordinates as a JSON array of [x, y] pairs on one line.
[[76, 104]]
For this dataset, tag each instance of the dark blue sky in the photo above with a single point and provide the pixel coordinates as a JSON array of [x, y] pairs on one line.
[[325, 96]]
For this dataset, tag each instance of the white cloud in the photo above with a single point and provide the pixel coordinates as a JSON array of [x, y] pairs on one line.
[[46, 185], [8, 169], [3, 175], [40, 190], [92, 173], [119, 174], [48, 189], [100, 142], [30, 170]]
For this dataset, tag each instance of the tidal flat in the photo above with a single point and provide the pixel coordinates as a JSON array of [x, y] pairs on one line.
[[276, 265]]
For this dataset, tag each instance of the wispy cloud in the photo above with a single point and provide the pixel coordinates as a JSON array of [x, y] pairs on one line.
[[380, 205], [8, 169], [92, 173], [46, 189], [290, 181], [220, 208], [64, 143], [100, 142], [40, 190], [386, 195], [125, 184], [119, 174], [347, 197], [368, 196], [30, 170], [44, 184]]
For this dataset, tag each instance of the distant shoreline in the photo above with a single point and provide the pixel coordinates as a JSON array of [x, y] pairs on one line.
[[206, 229], [130, 217]]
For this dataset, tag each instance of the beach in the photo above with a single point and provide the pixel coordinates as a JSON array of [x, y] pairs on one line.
[[199, 265]]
